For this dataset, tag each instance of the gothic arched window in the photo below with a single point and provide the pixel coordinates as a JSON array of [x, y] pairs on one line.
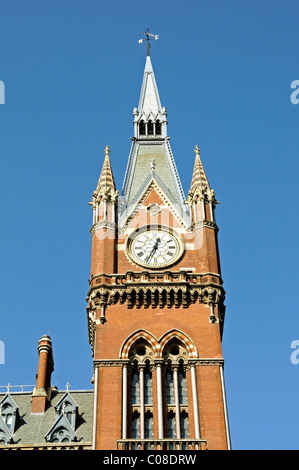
[[171, 425], [184, 424], [136, 425], [148, 425], [156, 391], [176, 390], [61, 435], [141, 392]]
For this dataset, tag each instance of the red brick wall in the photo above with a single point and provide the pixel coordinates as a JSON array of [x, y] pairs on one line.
[[202, 255]]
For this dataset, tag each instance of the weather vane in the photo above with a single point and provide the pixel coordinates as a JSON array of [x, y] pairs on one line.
[[149, 36]]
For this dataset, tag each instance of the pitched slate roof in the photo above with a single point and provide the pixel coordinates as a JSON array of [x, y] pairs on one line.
[[31, 429]]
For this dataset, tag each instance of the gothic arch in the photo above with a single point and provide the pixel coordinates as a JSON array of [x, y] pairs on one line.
[[180, 336], [137, 336]]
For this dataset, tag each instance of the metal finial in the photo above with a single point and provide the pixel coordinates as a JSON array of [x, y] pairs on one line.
[[149, 36]]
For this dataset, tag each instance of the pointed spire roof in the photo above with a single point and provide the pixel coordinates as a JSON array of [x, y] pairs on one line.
[[106, 180], [106, 188], [199, 178], [200, 188], [149, 101]]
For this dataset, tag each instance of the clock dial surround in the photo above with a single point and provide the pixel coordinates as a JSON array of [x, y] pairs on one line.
[[155, 247]]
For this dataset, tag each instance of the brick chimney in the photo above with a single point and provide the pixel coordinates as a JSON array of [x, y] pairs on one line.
[[42, 392]]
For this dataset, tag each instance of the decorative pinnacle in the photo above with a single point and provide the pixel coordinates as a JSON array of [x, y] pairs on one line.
[[107, 151], [197, 150]]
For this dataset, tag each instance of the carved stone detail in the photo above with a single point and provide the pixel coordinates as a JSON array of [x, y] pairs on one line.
[[154, 290]]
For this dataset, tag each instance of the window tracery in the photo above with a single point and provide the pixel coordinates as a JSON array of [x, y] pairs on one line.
[[173, 383]]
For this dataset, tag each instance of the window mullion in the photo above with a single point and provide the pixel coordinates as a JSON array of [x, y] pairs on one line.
[[141, 399], [177, 403]]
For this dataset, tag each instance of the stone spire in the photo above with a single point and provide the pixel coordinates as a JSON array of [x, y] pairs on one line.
[[200, 188], [106, 189]]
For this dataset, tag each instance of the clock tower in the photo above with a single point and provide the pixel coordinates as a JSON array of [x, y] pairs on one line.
[[156, 301]]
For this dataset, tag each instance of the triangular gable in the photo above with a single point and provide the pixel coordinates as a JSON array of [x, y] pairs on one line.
[[154, 183], [142, 157], [66, 398], [10, 401], [9, 407], [60, 425]]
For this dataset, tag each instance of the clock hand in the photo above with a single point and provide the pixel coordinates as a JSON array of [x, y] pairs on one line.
[[153, 250]]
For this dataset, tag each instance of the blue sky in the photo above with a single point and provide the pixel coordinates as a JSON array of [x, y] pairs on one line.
[[72, 72]]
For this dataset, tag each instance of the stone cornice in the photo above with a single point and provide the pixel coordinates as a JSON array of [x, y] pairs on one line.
[[104, 224], [155, 289], [146, 277], [145, 289], [205, 223]]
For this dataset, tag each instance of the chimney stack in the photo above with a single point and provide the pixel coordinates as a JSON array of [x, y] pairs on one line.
[[42, 391]]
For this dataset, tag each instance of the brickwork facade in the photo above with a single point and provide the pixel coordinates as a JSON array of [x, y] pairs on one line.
[[155, 316]]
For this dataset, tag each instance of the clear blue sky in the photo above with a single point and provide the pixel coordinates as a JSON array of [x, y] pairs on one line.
[[72, 72]]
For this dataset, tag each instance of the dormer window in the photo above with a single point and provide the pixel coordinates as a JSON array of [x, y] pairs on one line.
[[63, 430], [9, 412], [68, 407]]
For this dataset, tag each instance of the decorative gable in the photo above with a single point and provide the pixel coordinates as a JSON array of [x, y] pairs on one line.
[[63, 430], [154, 191], [68, 407], [9, 413]]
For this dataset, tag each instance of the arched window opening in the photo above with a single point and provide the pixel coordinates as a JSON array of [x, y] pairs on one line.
[[150, 127], [171, 425], [175, 356], [156, 387], [158, 128], [136, 425], [141, 391], [149, 427], [184, 422], [142, 128], [60, 435]]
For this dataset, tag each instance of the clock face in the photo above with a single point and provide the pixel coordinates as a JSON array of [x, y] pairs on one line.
[[155, 248]]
